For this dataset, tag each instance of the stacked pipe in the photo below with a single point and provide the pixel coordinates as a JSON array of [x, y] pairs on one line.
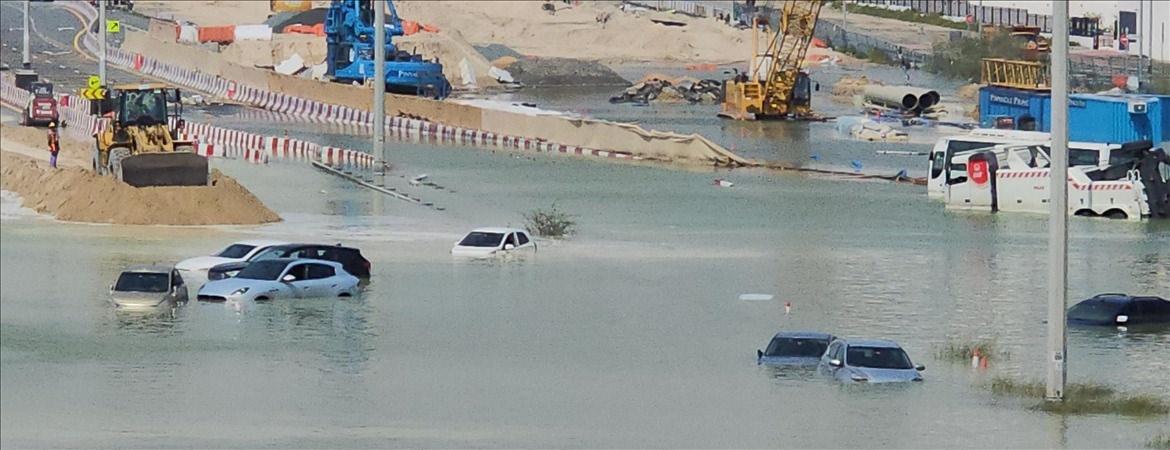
[[903, 98]]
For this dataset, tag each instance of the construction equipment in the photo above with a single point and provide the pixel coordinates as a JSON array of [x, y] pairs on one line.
[[785, 91], [349, 35], [289, 5], [1014, 74], [139, 146]]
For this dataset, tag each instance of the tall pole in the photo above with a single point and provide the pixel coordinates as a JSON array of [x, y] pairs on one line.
[[845, 23], [380, 89], [25, 57], [1141, 41], [101, 29], [1058, 209]]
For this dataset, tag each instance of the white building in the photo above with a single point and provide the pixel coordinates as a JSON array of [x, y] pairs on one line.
[[1149, 38]]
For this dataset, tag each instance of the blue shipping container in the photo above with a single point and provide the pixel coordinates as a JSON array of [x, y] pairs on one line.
[[1091, 117]]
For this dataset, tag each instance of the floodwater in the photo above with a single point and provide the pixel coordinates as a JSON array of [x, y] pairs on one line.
[[630, 334]]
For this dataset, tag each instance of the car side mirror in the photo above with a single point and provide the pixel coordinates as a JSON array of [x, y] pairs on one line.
[[759, 354], [835, 362], [288, 278], [509, 246], [920, 367]]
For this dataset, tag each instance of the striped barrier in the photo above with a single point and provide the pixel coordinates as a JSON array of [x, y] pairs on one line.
[[322, 112]]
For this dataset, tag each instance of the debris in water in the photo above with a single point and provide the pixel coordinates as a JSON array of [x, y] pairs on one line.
[[723, 183], [756, 297]]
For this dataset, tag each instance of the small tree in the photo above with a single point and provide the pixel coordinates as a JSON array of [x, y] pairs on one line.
[[551, 222]]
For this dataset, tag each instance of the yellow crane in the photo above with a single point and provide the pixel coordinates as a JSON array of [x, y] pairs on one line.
[[785, 91]]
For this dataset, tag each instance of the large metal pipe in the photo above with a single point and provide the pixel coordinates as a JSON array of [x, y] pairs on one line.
[[906, 98]]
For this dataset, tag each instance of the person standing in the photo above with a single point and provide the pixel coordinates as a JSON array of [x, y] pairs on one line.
[[54, 144]]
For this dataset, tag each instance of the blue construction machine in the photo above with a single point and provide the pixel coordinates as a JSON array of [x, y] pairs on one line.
[[349, 33]]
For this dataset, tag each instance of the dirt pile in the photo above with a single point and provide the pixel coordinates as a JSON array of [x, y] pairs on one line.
[[849, 86], [969, 91], [665, 89], [74, 193], [534, 71], [451, 49], [282, 46]]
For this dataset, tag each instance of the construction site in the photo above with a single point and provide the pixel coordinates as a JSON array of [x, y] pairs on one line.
[[878, 168]]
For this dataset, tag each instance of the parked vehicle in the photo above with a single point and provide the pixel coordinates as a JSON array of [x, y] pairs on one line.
[[349, 257], [148, 287], [1135, 185], [41, 108], [282, 278], [948, 159], [868, 361], [794, 348], [491, 241], [239, 251], [1120, 310]]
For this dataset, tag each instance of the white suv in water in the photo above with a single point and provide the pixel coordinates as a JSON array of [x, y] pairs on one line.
[[493, 241], [239, 251]]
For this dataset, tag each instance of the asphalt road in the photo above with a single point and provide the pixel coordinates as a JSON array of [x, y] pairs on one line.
[[51, 45]]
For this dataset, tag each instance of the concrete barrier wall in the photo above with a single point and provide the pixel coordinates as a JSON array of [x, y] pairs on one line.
[[594, 134]]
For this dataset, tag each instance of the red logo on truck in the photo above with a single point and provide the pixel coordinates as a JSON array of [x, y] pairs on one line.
[[977, 172]]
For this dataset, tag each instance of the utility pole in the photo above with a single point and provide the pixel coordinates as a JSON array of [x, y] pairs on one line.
[[102, 41], [1141, 41], [845, 22], [380, 90], [1056, 356], [25, 57]]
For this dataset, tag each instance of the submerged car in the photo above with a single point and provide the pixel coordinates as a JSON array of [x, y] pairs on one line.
[[282, 278], [1120, 310], [239, 251], [492, 241], [794, 348], [148, 287], [350, 258], [868, 361]]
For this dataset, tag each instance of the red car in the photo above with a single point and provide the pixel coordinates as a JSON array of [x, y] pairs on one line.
[[42, 108]]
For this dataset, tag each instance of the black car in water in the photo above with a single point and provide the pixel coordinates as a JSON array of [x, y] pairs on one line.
[[1120, 310], [350, 258]]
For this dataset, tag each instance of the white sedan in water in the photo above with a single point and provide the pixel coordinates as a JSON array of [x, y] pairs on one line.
[[493, 241], [239, 251], [282, 278]]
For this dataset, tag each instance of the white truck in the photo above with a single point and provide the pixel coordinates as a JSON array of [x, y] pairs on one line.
[[950, 153], [1015, 178]]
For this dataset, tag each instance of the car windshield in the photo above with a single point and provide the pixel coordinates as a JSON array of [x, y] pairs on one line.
[[263, 270], [797, 347], [481, 239], [236, 251], [142, 282], [1095, 310], [878, 358]]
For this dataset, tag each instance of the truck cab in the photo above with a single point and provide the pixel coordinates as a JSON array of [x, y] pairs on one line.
[[41, 107]]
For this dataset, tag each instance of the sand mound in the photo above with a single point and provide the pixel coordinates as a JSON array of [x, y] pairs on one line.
[[78, 195], [504, 61], [969, 91], [450, 47], [849, 86]]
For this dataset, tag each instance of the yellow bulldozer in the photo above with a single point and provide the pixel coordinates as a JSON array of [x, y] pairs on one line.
[[139, 146]]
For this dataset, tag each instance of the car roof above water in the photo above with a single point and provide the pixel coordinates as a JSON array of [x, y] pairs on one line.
[[876, 343], [259, 242], [156, 268], [502, 230], [803, 335]]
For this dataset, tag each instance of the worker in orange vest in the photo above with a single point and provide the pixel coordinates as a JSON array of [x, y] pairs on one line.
[[54, 144]]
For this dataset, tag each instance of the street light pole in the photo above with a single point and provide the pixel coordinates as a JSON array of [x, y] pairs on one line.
[[25, 57], [380, 90], [1056, 359], [101, 29]]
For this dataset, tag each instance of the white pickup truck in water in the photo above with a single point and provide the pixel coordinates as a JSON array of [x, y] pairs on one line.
[[1015, 178]]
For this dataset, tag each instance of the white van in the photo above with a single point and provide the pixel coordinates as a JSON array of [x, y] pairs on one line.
[[948, 158]]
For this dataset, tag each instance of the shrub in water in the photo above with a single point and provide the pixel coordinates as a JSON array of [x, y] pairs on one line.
[[551, 222]]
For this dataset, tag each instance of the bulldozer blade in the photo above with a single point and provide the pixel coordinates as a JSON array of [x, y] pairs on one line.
[[165, 169]]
